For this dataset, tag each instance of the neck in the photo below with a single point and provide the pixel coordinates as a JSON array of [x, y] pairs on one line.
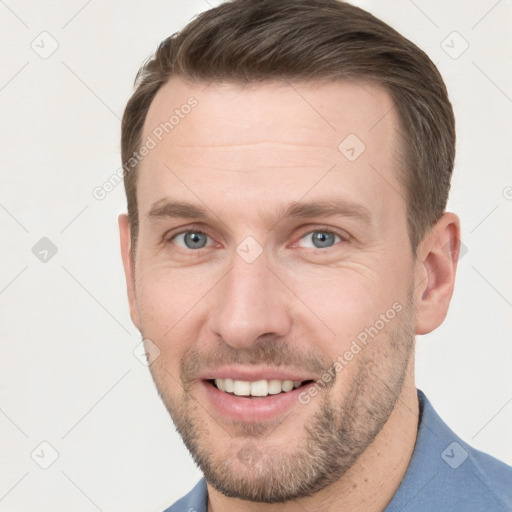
[[369, 485]]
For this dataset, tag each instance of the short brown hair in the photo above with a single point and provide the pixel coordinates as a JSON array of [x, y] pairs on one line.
[[245, 41]]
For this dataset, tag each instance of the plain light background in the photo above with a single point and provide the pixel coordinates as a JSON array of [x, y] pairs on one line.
[[68, 374]]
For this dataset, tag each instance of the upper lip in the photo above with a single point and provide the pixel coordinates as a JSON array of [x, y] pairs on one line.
[[253, 374]]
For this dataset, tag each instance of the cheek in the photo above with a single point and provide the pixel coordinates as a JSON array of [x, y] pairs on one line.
[[165, 296], [342, 302], [168, 312]]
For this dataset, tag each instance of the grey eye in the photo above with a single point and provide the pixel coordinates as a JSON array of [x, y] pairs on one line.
[[320, 239], [191, 240]]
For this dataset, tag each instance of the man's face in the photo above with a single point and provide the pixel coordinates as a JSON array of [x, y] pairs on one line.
[[260, 290]]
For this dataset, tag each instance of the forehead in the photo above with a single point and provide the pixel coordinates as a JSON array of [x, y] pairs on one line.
[[313, 112], [223, 136]]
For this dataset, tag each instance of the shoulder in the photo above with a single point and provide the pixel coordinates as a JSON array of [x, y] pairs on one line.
[[492, 476], [194, 501], [446, 473]]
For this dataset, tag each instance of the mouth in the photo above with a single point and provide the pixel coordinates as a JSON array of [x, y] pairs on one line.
[[257, 389], [254, 394], [252, 401]]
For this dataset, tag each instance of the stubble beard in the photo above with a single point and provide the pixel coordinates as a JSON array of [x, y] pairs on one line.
[[326, 446]]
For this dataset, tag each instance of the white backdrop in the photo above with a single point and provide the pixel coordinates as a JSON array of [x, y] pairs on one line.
[[68, 375]]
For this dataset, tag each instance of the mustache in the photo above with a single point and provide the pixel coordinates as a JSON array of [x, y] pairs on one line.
[[267, 352]]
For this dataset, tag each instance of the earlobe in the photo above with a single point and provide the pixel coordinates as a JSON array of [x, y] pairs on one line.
[[129, 267], [436, 267]]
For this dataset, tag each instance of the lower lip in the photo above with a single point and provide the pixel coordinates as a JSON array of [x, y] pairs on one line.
[[252, 410]]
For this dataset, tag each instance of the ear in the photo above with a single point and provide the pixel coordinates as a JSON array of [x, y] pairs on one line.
[[129, 267], [436, 265]]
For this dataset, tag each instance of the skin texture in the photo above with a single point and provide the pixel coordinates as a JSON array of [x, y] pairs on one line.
[[243, 154]]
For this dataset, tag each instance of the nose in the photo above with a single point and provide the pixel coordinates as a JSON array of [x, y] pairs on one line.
[[250, 302]]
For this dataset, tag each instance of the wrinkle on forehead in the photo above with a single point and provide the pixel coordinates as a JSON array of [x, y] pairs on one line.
[[321, 113], [273, 125], [270, 138]]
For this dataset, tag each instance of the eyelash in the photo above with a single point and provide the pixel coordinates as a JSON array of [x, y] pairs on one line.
[[198, 229], [343, 238]]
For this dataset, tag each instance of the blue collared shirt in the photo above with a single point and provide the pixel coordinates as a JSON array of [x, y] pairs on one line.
[[444, 474]]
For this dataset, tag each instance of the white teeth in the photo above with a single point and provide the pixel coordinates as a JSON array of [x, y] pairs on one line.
[[274, 387], [257, 388], [228, 385], [287, 385], [241, 387]]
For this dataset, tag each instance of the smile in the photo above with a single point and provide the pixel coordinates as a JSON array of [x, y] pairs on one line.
[[259, 388]]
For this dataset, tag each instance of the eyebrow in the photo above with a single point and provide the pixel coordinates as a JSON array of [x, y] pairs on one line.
[[167, 208], [325, 208]]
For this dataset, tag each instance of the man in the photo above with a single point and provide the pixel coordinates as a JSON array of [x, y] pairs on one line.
[[287, 166]]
